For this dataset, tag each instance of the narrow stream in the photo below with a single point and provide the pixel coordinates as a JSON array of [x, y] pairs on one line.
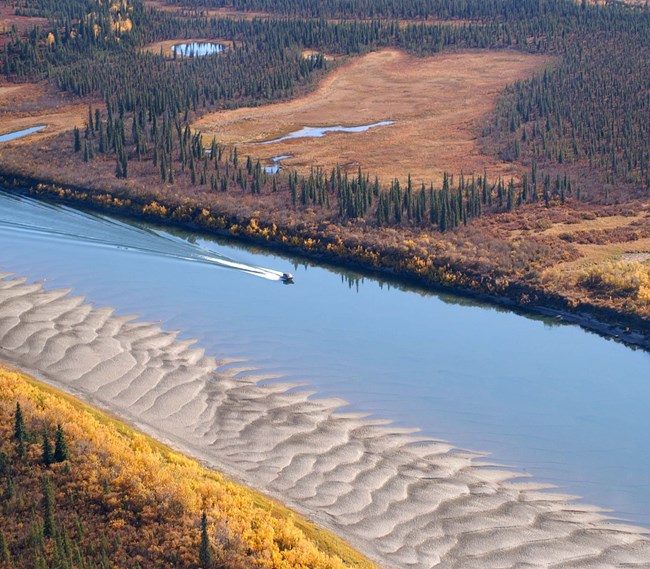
[[20, 133], [275, 167]]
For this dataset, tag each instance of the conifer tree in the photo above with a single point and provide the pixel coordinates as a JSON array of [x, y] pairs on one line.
[[49, 528], [46, 448], [61, 452], [10, 489], [205, 551], [5, 554], [77, 140], [20, 433], [4, 464], [19, 423]]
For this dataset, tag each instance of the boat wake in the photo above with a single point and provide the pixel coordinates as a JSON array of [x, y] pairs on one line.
[[41, 220]]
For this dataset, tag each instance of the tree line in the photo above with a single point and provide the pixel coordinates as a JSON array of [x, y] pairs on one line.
[[180, 156], [592, 105], [392, 9]]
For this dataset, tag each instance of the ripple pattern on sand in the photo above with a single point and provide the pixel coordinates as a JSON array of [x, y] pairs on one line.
[[403, 500]]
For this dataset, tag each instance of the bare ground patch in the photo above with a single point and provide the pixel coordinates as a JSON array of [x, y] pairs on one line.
[[636, 257], [438, 104], [313, 53], [601, 223]]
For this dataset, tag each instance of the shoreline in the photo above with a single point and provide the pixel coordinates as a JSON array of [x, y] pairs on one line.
[[630, 329], [326, 542], [398, 497]]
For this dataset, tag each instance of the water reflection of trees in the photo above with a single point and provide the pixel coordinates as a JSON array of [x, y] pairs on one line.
[[355, 279]]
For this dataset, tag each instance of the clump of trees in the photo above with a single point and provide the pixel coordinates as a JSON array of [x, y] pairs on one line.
[[589, 108], [179, 155], [79, 490]]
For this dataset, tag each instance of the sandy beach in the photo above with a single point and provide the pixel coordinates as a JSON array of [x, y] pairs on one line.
[[401, 499]]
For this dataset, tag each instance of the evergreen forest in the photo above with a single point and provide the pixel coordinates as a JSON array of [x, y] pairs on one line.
[[590, 108]]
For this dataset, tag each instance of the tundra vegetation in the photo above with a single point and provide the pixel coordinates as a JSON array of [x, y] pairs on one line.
[[574, 136]]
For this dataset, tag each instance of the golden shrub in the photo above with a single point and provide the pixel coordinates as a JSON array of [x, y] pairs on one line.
[[148, 498], [618, 278]]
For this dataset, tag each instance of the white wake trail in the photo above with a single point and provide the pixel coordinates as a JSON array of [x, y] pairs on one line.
[[44, 221]]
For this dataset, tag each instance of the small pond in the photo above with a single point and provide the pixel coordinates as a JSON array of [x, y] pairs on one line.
[[197, 49], [275, 167], [319, 131]]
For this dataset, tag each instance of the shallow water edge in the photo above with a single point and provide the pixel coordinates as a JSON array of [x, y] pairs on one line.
[[320, 131], [363, 478], [629, 329]]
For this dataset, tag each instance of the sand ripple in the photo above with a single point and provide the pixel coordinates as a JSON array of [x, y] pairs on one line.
[[403, 500]]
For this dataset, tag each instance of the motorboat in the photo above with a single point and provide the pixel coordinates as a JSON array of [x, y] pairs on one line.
[[286, 277]]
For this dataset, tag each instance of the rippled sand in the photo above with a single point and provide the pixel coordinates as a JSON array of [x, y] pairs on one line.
[[403, 500]]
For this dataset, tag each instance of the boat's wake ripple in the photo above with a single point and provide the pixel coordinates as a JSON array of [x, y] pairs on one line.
[[43, 220]]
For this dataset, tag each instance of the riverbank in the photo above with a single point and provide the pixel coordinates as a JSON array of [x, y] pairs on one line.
[[134, 500], [313, 242], [361, 479]]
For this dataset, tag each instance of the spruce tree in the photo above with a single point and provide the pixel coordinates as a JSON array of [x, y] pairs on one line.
[[10, 489], [4, 464], [61, 452], [20, 433], [19, 424], [49, 528], [205, 551], [47, 448], [5, 554], [77, 140]]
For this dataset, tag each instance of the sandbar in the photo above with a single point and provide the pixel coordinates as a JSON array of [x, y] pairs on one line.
[[401, 499]]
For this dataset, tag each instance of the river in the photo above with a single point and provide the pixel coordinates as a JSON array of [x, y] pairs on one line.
[[545, 397]]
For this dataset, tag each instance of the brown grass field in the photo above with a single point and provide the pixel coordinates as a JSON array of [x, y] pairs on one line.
[[32, 104], [438, 103], [210, 13], [23, 24], [605, 239]]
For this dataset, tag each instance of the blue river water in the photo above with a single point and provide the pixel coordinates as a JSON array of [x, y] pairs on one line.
[[547, 398]]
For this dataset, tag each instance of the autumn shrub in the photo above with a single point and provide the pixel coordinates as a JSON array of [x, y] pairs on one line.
[[618, 278], [119, 499]]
